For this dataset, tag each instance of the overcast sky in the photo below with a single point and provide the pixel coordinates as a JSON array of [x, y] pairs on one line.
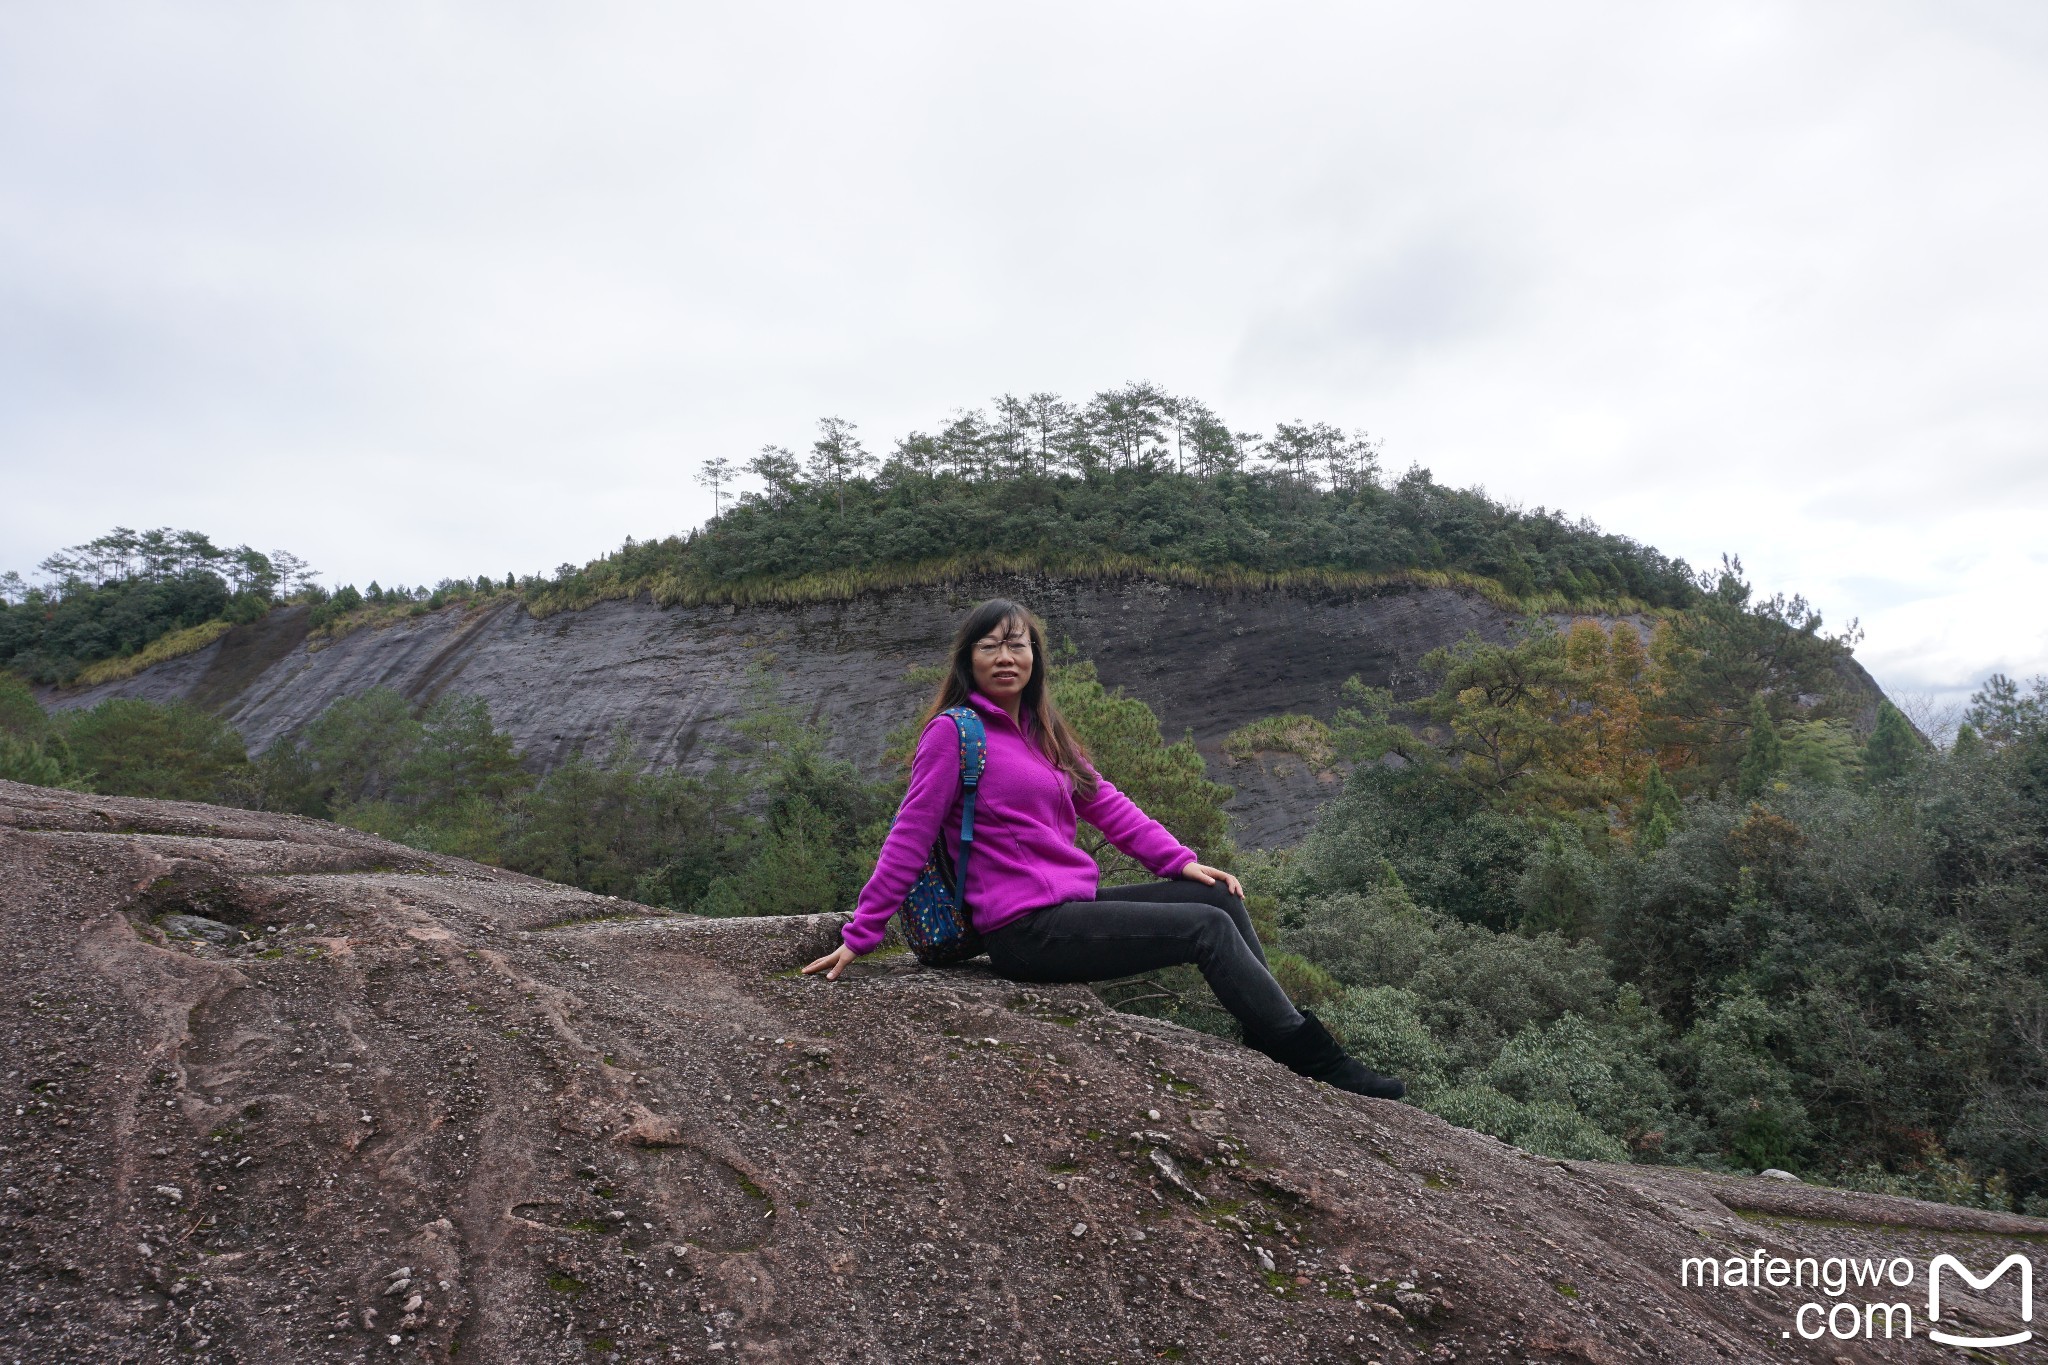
[[426, 290]]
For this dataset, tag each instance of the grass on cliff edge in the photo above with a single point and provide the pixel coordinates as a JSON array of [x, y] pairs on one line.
[[160, 650], [600, 582]]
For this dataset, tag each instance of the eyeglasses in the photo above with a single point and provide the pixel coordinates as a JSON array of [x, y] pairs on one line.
[[1019, 645]]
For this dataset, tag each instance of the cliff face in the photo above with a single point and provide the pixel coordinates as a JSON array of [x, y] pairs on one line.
[[1206, 661], [285, 1092]]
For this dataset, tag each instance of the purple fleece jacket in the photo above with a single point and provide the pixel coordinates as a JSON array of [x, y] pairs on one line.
[[1025, 857]]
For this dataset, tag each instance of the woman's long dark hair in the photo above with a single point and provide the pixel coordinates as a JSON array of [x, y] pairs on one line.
[[1055, 737]]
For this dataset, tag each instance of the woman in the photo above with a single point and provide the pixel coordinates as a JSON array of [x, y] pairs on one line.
[[1032, 892]]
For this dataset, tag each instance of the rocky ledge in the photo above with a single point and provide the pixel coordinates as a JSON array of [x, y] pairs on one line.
[[282, 1091]]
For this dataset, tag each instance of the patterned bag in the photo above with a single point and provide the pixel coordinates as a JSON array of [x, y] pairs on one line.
[[935, 917]]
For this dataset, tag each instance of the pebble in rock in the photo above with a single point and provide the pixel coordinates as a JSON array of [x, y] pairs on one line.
[[1775, 1174], [1080, 1229]]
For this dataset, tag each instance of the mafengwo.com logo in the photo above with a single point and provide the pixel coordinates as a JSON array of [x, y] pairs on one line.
[[1860, 1298]]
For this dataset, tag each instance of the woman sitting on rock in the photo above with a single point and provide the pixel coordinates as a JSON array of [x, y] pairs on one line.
[[1033, 892]]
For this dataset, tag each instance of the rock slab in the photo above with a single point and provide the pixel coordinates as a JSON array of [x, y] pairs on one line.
[[420, 1109]]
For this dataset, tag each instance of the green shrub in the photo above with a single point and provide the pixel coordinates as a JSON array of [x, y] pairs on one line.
[[27, 761], [1604, 1074], [175, 752], [1741, 1085], [1167, 781], [1448, 850], [21, 715], [1558, 1130], [1383, 1026], [1560, 888], [1480, 1108], [1544, 1127], [1306, 984], [797, 867]]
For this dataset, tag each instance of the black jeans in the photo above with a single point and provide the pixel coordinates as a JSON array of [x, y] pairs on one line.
[[1127, 930]]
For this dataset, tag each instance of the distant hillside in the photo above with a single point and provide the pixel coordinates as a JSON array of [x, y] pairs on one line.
[[1224, 578], [1206, 660], [1134, 481], [1131, 482]]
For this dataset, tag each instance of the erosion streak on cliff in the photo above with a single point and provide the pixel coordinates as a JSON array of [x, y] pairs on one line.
[[405, 1107]]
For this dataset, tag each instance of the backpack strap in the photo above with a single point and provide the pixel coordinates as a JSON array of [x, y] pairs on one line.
[[973, 757]]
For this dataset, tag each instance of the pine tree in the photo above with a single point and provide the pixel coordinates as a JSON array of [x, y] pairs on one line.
[[836, 456], [716, 475], [777, 468], [1969, 744], [1893, 749], [2003, 715], [1766, 752], [1657, 813]]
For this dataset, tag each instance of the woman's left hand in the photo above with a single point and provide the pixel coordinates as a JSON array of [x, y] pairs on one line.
[[1209, 876]]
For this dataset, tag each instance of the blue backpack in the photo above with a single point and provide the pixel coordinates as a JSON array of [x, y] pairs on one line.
[[935, 918]]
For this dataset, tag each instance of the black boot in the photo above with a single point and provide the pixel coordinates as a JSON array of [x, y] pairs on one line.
[[1310, 1051]]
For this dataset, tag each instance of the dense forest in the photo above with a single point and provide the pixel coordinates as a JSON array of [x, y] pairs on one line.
[[1132, 481], [1789, 949], [116, 596], [118, 603]]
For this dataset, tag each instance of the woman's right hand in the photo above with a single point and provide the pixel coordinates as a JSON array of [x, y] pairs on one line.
[[832, 963]]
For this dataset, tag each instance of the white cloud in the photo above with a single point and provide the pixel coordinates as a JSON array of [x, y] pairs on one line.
[[430, 291]]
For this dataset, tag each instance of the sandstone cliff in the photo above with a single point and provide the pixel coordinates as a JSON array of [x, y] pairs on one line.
[[285, 1092], [1205, 660]]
